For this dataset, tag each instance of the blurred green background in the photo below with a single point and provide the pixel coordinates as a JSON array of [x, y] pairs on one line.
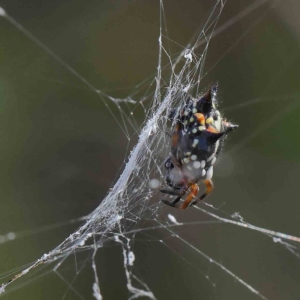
[[61, 149]]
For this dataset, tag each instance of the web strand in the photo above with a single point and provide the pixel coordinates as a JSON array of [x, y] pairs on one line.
[[133, 202]]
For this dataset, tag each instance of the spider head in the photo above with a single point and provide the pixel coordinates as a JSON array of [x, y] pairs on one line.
[[174, 176]]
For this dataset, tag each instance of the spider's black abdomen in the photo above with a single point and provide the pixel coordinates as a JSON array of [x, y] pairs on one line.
[[197, 136]]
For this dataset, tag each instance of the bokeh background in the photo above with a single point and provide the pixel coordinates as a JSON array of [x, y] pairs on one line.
[[61, 149]]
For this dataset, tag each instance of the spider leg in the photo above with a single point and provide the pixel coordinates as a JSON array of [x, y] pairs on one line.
[[209, 187], [172, 203], [193, 193], [178, 193], [170, 192]]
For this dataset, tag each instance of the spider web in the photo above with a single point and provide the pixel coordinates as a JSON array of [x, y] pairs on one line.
[[209, 249]]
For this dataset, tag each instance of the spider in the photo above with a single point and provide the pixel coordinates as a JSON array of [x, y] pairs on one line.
[[196, 140]]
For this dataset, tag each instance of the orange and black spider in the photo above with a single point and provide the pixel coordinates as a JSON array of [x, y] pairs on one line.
[[196, 139]]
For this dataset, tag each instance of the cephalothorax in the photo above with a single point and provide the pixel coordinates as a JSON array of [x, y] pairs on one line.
[[197, 136]]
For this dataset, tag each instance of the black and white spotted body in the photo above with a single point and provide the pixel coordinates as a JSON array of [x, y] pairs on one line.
[[197, 136]]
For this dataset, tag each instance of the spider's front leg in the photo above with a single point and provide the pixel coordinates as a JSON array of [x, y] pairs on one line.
[[194, 188], [178, 193], [172, 192], [209, 187]]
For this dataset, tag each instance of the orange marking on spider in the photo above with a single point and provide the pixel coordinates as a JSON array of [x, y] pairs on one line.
[[194, 188], [200, 117], [209, 187], [212, 129]]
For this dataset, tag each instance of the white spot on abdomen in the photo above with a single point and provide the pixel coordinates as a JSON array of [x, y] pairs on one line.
[[186, 160], [196, 164], [203, 164], [195, 142]]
